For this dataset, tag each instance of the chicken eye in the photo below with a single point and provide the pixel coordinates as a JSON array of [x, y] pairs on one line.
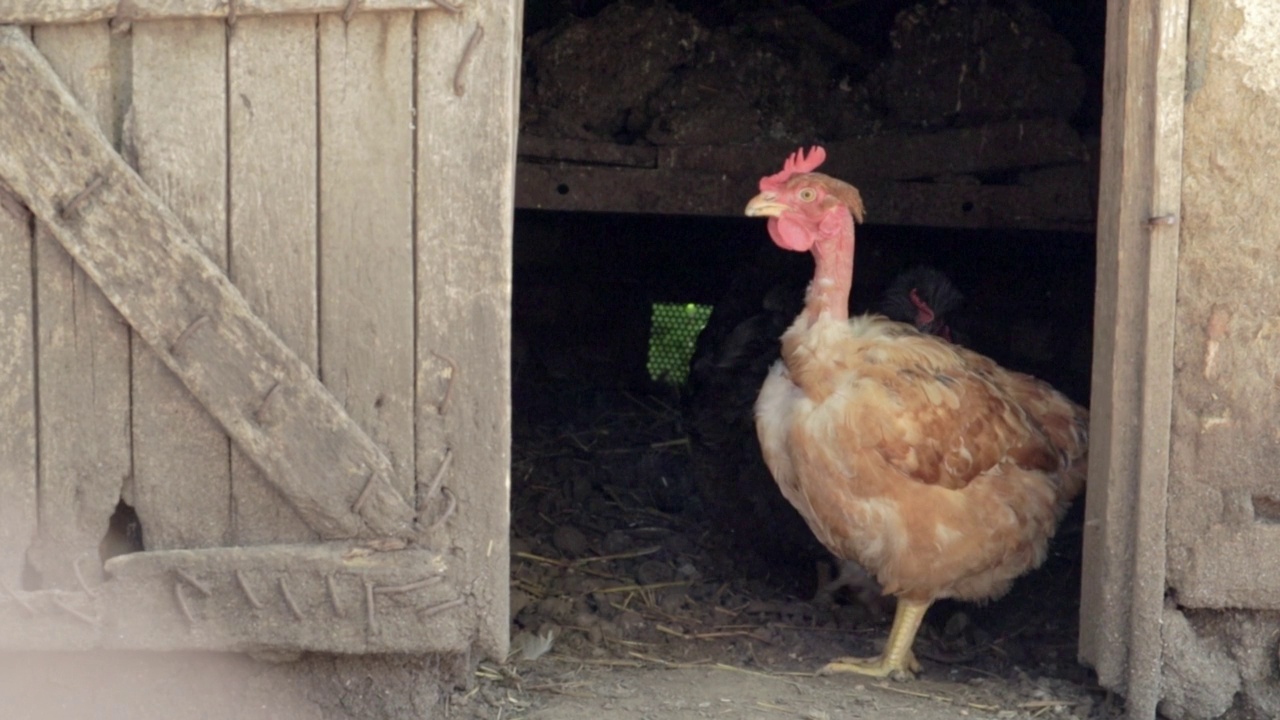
[[807, 194]]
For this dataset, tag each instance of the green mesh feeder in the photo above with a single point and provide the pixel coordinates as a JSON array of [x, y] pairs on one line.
[[673, 330]]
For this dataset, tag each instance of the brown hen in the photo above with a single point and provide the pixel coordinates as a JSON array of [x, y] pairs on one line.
[[930, 465]]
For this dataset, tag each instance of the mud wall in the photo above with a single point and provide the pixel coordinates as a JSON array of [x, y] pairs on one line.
[[1224, 511]]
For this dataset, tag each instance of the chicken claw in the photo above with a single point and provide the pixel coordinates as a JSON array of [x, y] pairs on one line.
[[875, 667], [897, 660]]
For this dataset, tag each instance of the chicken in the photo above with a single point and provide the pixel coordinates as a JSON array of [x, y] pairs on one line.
[[731, 360], [940, 472]]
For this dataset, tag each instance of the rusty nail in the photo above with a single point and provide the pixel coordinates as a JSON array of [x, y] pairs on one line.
[[448, 509], [368, 605], [449, 6], [443, 407], [438, 608], [439, 476], [185, 335], [68, 211], [1161, 220], [182, 603], [80, 577], [202, 587], [410, 587], [288, 599], [333, 596], [363, 497], [95, 621], [260, 415], [459, 84], [244, 587], [16, 598], [350, 11]]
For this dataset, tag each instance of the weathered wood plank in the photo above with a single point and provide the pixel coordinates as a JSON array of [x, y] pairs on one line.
[[535, 148], [468, 75], [39, 12], [997, 147], [182, 479], [366, 227], [1044, 206], [181, 304], [1124, 586], [84, 357], [17, 390], [272, 91], [272, 597]]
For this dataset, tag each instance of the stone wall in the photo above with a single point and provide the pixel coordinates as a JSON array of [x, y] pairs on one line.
[[1224, 511]]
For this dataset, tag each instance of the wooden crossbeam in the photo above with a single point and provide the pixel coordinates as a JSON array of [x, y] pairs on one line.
[[1051, 204], [40, 12], [55, 159], [334, 597]]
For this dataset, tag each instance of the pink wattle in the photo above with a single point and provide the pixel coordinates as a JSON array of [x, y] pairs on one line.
[[789, 234]]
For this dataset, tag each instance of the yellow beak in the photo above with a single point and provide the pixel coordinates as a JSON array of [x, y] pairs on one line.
[[765, 205]]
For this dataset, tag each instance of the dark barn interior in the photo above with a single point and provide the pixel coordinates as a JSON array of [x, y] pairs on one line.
[[644, 524]]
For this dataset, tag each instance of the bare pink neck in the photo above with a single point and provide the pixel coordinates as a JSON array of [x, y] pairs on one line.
[[832, 277]]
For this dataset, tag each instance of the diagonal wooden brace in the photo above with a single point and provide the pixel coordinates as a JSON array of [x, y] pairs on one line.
[[54, 158]]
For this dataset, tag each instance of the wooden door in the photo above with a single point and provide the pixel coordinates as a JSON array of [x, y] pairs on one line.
[[1138, 227], [257, 288]]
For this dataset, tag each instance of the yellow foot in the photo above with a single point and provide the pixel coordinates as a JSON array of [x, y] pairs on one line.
[[875, 667], [897, 661]]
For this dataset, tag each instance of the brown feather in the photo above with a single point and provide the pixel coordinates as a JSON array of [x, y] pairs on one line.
[[938, 470]]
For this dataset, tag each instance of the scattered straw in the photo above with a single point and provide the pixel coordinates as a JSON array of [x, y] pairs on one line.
[[642, 588], [940, 698]]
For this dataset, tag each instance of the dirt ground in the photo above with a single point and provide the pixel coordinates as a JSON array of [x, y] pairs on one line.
[[627, 602]]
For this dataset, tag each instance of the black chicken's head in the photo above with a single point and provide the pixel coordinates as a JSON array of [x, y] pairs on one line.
[[924, 297]]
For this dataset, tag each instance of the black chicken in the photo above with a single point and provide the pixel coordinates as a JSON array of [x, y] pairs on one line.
[[732, 356]]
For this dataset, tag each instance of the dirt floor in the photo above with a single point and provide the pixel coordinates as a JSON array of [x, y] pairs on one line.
[[628, 603]]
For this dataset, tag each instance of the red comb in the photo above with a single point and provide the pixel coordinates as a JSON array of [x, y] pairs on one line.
[[797, 163]]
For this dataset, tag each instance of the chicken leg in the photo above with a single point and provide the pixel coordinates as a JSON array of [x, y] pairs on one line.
[[897, 657]]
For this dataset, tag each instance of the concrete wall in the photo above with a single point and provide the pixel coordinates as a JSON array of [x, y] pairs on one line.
[[1224, 508]]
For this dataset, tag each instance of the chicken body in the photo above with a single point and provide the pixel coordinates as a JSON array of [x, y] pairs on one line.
[[939, 471], [733, 356]]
